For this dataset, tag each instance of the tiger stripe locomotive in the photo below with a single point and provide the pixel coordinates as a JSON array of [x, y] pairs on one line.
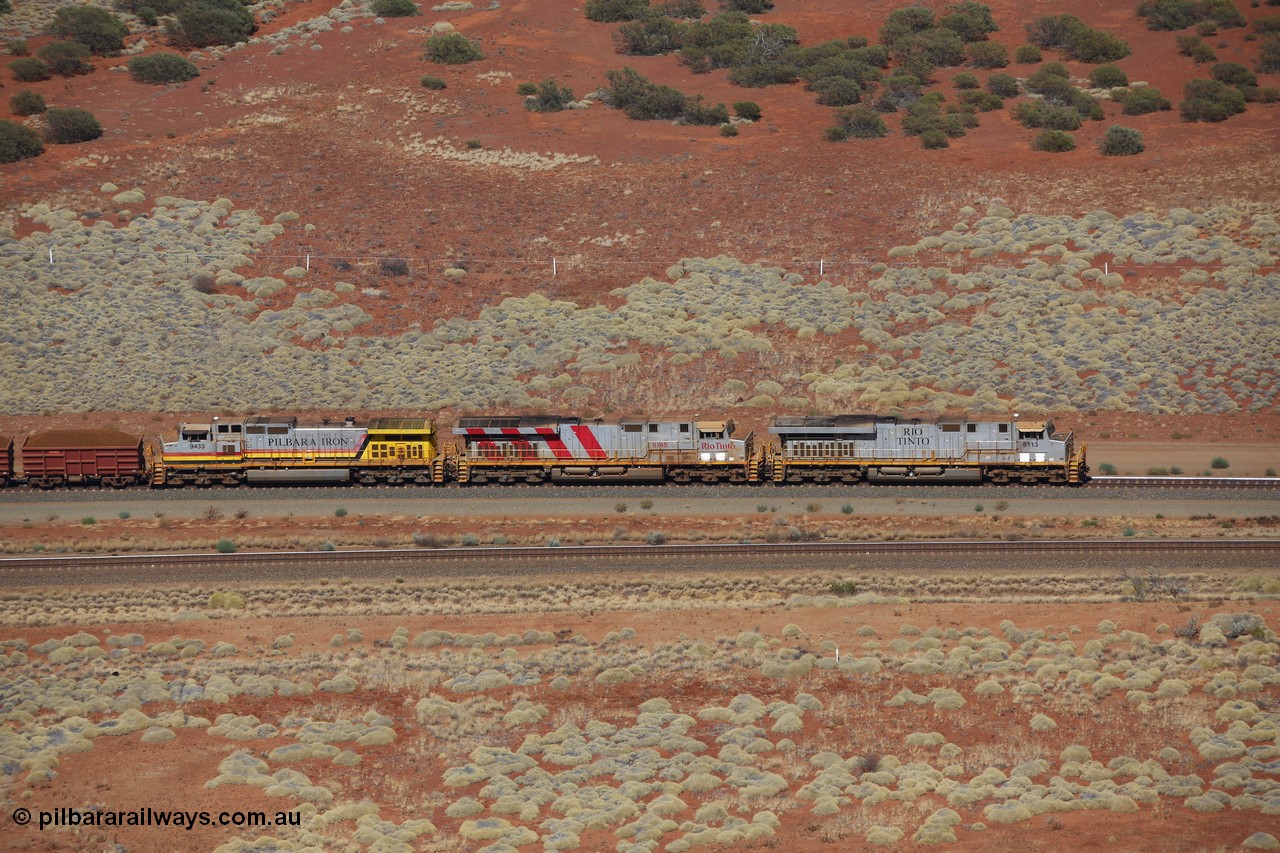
[[535, 449]]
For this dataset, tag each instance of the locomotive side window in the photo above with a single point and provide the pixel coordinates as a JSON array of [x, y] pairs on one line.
[[1004, 428], [256, 430], [277, 430], [684, 427], [653, 427], [631, 427], [971, 427], [951, 427]]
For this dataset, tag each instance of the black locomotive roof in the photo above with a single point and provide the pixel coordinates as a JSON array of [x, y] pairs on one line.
[[515, 422], [829, 424]]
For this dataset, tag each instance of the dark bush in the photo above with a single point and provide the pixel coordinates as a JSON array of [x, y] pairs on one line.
[[148, 16], [527, 89], [1080, 41], [394, 266], [1108, 77], [29, 70], [1210, 100], [452, 49], [92, 26], [860, 122], [1267, 25], [965, 80], [1047, 116], [728, 130], [1233, 74], [835, 133], [1222, 12], [925, 116], [749, 7], [18, 142], [204, 23], [900, 90], [837, 91], [70, 125], [549, 97], [1269, 95], [1193, 47], [1169, 14], [438, 83], [1054, 140], [1121, 142], [27, 103], [650, 35], [765, 74], [1087, 105], [1003, 85], [1047, 83], [689, 10], [939, 47], [1143, 100], [876, 55], [1268, 57], [614, 11], [641, 99], [934, 139], [160, 68], [1026, 54], [987, 54], [983, 101], [749, 110], [971, 21], [68, 58], [699, 113], [903, 22], [395, 8]]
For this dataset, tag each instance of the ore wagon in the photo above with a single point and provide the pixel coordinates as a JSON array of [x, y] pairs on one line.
[[62, 457], [6, 460]]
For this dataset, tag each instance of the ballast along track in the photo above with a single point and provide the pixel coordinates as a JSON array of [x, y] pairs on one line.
[[604, 553], [1189, 482]]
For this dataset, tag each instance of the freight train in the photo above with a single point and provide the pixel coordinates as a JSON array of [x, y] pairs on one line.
[[542, 449]]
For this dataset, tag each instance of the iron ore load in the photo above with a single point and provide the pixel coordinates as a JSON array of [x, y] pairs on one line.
[[266, 449]]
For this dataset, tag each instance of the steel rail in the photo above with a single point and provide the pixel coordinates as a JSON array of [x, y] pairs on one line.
[[607, 552]]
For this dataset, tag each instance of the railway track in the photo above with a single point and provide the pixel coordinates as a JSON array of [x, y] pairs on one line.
[[1187, 482], [607, 553]]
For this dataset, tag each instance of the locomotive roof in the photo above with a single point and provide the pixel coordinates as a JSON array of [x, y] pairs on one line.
[[408, 424], [69, 438], [516, 421], [831, 421]]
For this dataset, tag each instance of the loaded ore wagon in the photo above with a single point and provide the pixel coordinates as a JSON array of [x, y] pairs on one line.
[[879, 448], [61, 457], [536, 449], [6, 460], [276, 448]]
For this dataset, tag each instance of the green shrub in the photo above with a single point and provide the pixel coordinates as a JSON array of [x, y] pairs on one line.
[[1003, 85], [969, 20], [549, 97], [1052, 82], [860, 122], [965, 80], [764, 74], [1038, 114], [614, 11], [27, 103], [1107, 470], [1143, 100], [657, 538], [934, 139], [1192, 46], [1121, 142], [749, 110], [71, 125], [1267, 25], [452, 49], [650, 35], [1054, 140], [1108, 77], [68, 58], [1026, 54], [749, 7], [1219, 463], [438, 83], [1077, 39], [901, 23], [987, 54], [92, 26], [204, 23], [1233, 74], [982, 101], [395, 8], [148, 15], [1268, 57], [161, 68], [835, 133], [641, 99], [226, 546], [17, 47], [1169, 14], [837, 91], [527, 89], [1210, 100], [698, 113], [690, 10]]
